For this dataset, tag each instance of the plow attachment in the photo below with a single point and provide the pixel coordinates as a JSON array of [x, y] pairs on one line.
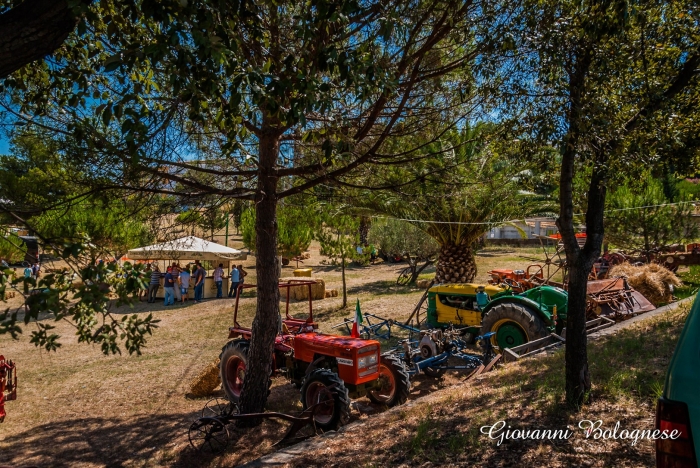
[[614, 298]]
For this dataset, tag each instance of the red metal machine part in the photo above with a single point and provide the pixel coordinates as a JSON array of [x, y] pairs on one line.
[[8, 384]]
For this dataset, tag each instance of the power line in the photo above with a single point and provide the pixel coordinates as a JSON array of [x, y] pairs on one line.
[[524, 220]]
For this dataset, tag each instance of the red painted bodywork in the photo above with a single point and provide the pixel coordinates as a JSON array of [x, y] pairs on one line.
[[309, 346], [8, 384], [300, 336]]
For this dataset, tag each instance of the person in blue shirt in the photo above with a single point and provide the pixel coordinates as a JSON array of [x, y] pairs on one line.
[[235, 279], [27, 275]]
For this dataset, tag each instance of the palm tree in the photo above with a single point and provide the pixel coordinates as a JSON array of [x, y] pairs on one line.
[[460, 194]]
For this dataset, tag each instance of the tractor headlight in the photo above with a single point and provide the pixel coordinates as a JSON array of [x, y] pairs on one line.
[[366, 361]]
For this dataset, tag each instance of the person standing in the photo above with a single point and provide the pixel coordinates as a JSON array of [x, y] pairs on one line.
[[176, 279], [184, 281], [154, 285], [198, 283], [144, 292], [243, 274], [27, 275], [36, 270], [235, 278], [219, 280], [168, 286]]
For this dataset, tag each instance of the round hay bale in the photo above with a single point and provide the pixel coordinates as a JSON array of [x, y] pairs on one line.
[[206, 381], [653, 281]]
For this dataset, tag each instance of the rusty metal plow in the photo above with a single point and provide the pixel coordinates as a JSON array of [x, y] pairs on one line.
[[210, 432], [614, 297]]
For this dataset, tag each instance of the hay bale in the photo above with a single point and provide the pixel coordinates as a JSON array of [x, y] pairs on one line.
[[207, 381], [302, 272], [301, 293], [653, 281]]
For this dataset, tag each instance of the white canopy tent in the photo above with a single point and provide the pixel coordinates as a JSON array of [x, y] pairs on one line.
[[186, 248]]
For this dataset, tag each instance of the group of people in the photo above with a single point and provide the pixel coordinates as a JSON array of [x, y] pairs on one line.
[[33, 271], [235, 280], [177, 280]]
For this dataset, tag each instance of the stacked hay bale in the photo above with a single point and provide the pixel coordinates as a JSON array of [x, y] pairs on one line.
[[301, 292], [654, 281], [206, 381]]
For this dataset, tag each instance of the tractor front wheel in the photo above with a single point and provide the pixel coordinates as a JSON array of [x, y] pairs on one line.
[[324, 388], [514, 325], [394, 382]]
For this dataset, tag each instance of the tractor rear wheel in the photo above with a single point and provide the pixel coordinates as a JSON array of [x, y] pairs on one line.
[[394, 382], [323, 385], [232, 368], [514, 325], [233, 362]]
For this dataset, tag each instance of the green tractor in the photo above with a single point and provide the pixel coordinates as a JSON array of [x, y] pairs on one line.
[[514, 318]]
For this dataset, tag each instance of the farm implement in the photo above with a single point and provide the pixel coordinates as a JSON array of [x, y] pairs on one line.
[[210, 432], [609, 297], [436, 348], [8, 384], [326, 368]]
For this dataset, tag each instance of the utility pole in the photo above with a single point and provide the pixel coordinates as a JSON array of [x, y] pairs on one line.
[[228, 215]]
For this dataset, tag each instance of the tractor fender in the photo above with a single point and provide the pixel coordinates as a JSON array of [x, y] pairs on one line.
[[316, 363], [529, 303]]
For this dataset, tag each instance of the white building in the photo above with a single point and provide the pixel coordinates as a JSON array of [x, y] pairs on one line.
[[531, 227]]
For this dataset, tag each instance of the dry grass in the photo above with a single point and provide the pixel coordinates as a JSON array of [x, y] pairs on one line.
[[78, 408]]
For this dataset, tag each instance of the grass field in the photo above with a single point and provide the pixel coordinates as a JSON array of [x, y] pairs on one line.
[[77, 407]]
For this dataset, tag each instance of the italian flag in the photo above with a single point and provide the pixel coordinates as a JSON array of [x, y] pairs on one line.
[[357, 322]]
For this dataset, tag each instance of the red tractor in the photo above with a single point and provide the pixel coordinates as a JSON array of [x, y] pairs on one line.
[[327, 368], [8, 384]]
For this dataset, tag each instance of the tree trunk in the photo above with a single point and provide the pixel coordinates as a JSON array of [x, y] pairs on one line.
[[345, 288], [365, 224], [578, 381], [265, 324], [417, 271], [32, 30], [455, 264]]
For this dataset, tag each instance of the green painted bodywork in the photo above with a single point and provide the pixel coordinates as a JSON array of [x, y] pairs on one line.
[[541, 300], [683, 375]]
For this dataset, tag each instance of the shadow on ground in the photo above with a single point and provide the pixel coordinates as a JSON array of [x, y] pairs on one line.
[[97, 441]]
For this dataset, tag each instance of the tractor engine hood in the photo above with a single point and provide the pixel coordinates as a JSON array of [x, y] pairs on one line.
[[344, 343]]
